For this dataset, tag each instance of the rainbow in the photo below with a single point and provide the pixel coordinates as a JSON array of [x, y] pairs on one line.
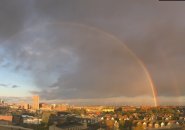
[[139, 61]]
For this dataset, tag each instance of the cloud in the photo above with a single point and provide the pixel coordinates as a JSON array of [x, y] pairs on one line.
[[15, 86], [72, 67], [3, 85], [8, 85], [16, 99], [14, 16]]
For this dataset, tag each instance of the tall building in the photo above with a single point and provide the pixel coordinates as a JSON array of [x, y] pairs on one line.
[[1, 101], [35, 102]]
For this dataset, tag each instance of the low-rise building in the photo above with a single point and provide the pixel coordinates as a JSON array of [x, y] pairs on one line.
[[71, 126], [5, 120], [31, 120], [11, 127], [108, 110]]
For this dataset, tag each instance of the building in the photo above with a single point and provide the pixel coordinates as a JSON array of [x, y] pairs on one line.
[[5, 120], [35, 105], [128, 108], [1, 101], [61, 107], [108, 110], [45, 107], [31, 120], [72, 126], [17, 120], [166, 128], [11, 127], [23, 105]]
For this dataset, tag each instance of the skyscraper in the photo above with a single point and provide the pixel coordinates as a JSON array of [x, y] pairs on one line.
[[35, 102]]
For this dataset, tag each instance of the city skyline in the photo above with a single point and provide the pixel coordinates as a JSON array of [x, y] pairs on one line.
[[93, 52]]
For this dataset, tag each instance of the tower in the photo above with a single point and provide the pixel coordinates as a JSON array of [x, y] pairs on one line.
[[35, 102]]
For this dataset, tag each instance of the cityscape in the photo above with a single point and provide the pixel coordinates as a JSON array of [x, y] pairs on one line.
[[43, 116], [92, 65]]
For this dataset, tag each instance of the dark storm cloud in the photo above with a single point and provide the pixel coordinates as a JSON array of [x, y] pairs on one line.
[[79, 61], [13, 15], [164, 45], [74, 61]]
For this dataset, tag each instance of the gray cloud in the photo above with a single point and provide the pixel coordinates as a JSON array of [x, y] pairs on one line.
[[8, 85], [68, 59], [13, 15], [3, 85], [15, 86], [74, 67]]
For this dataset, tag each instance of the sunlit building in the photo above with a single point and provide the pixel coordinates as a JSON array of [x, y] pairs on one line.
[[44, 106], [108, 110], [35, 105], [61, 107], [5, 120]]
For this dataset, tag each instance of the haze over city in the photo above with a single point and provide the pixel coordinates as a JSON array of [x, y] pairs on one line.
[[93, 52]]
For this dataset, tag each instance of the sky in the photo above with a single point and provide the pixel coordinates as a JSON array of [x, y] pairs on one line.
[[93, 52]]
